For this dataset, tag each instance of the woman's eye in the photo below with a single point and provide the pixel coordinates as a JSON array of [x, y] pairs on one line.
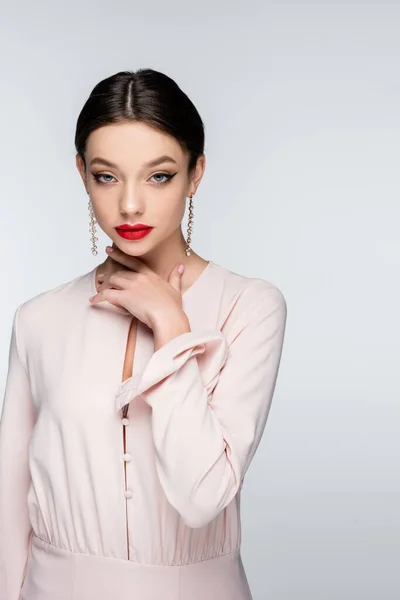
[[102, 178], [97, 176], [167, 175]]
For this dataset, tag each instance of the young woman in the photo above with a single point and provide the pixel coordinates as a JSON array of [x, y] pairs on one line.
[[136, 394]]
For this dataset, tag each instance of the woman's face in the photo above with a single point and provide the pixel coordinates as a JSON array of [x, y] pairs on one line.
[[129, 190]]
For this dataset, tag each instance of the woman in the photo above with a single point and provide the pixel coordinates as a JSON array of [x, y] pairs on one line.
[[136, 394]]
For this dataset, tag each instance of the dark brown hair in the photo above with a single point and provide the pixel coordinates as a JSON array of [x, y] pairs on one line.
[[147, 96]]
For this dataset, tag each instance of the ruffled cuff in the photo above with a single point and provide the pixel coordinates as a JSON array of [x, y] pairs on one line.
[[211, 348]]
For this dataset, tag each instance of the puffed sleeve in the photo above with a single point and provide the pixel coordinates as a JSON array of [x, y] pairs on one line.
[[15, 428], [210, 402]]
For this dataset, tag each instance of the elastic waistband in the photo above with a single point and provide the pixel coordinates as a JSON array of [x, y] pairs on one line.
[[56, 573]]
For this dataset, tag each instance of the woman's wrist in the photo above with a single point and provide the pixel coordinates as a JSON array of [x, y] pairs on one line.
[[167, 326]]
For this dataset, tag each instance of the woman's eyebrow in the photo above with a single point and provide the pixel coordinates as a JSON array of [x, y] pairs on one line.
[[159, 160], [151, 163]]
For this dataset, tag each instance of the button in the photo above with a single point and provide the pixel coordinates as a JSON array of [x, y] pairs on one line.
[[128, 493], [125, 421], [127, 457]]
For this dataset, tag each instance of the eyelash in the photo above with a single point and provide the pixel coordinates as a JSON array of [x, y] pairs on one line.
[[96, 177]]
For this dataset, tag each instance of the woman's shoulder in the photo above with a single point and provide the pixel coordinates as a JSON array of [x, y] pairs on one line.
[[55, 302], [230, 300], [248, 290]]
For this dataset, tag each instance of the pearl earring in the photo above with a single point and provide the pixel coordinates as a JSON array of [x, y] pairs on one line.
[[190, 226], [92, 229]]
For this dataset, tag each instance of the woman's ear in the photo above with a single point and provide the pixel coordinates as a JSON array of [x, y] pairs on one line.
[[80, 165], [198, 172]]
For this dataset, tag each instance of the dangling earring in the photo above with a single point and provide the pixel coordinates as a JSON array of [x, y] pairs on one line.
[[190, 228], [92, 227]]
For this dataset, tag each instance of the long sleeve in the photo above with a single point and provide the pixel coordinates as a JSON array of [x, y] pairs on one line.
[[15, 428], [210, 402]]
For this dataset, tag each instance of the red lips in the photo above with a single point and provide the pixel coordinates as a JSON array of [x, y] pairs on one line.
[[135, 227], [133, 232]]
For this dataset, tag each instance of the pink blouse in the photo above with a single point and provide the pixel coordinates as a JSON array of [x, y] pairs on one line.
[[143, 502]]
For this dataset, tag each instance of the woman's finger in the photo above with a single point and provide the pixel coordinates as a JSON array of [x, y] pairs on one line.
[[120, 281], [131, 262], [111, 295]]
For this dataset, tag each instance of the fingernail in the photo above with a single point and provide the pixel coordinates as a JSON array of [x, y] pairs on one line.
[[181, 268], [109, 249]]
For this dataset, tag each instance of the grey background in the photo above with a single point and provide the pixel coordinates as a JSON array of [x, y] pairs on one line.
[[301, 105]]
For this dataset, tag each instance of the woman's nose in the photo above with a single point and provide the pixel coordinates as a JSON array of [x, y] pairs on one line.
[[131, 203]]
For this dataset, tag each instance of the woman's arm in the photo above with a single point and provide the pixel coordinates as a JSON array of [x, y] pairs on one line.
[[15, 429], [210, 403]]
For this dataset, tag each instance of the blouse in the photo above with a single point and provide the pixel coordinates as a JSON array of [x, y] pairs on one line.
[[146, 472]]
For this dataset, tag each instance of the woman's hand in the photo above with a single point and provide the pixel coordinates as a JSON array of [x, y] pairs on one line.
[[141, 291]]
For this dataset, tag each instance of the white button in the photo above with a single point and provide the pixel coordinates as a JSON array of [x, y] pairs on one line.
[[125, 421], [127, 457], [128, 493]]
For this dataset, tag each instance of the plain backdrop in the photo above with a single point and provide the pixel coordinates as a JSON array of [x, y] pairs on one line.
[[301, 106]]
